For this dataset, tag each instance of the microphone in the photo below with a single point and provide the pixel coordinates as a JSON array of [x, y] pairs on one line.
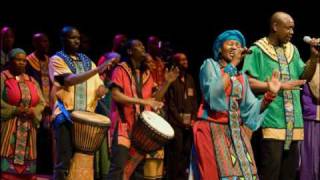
[[307, 39]]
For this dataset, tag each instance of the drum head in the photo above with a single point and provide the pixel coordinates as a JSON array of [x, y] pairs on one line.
[[157, 123], [90, 117]]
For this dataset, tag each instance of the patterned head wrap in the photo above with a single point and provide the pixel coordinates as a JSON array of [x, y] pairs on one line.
[[14, 52], [227, 35]]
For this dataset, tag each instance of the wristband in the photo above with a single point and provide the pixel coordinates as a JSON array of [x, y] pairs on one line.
[[269, 97]]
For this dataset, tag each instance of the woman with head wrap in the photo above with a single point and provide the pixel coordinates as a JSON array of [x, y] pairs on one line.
[[21, 106], [221, 148]]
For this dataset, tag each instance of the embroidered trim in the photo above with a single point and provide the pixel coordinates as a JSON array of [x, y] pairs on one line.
[[267, 48], [280, 134], [234, 125], [80, 98], [287, 97], [85, 61], [23, 127]]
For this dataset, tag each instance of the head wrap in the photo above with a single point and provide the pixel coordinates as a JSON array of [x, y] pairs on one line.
[[227, 35], [14, 52]]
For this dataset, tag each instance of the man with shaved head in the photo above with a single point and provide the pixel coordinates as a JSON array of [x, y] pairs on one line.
[[7, 39], [37, 67], [282, 128], [119, 40], [38, 63]]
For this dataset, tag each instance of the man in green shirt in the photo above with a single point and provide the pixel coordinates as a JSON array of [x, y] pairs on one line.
[[283, 125]]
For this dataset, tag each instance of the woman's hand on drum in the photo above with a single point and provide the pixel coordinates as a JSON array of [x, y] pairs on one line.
[[156, 105]]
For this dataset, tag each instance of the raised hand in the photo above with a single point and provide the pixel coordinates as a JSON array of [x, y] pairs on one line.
[[274, 83], [106, 66], [172, 74]]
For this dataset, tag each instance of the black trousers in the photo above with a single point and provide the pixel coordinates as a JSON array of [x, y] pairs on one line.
[[119, 156], [64, 150], [275, 163], [178, 154], [44, 150]]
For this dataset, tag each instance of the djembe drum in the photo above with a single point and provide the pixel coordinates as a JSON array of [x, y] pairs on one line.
[[151, 132], [88, 131]]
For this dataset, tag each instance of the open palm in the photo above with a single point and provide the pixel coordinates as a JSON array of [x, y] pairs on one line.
[[274, 83], [172, 74]]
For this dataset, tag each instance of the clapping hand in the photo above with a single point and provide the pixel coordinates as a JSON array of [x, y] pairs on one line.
[[172, 74]]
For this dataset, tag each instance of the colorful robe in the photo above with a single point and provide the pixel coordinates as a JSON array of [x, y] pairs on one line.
[[38, 69], [82, 96], [18, 134], [284, 121], [126, 115], [221, 148]]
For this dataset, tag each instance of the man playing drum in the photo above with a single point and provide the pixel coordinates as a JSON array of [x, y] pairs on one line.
[[78, 87], [132, 93]]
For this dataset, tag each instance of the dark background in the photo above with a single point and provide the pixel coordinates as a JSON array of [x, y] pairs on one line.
[[190, 27]]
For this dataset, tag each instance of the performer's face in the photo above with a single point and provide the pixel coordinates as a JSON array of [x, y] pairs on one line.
[[41, 43], [228, 49], [284, 30], [150, 63], [19, 63], [119, 41], [73, 40], [138, 51], [7, 38], [183, 61]]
